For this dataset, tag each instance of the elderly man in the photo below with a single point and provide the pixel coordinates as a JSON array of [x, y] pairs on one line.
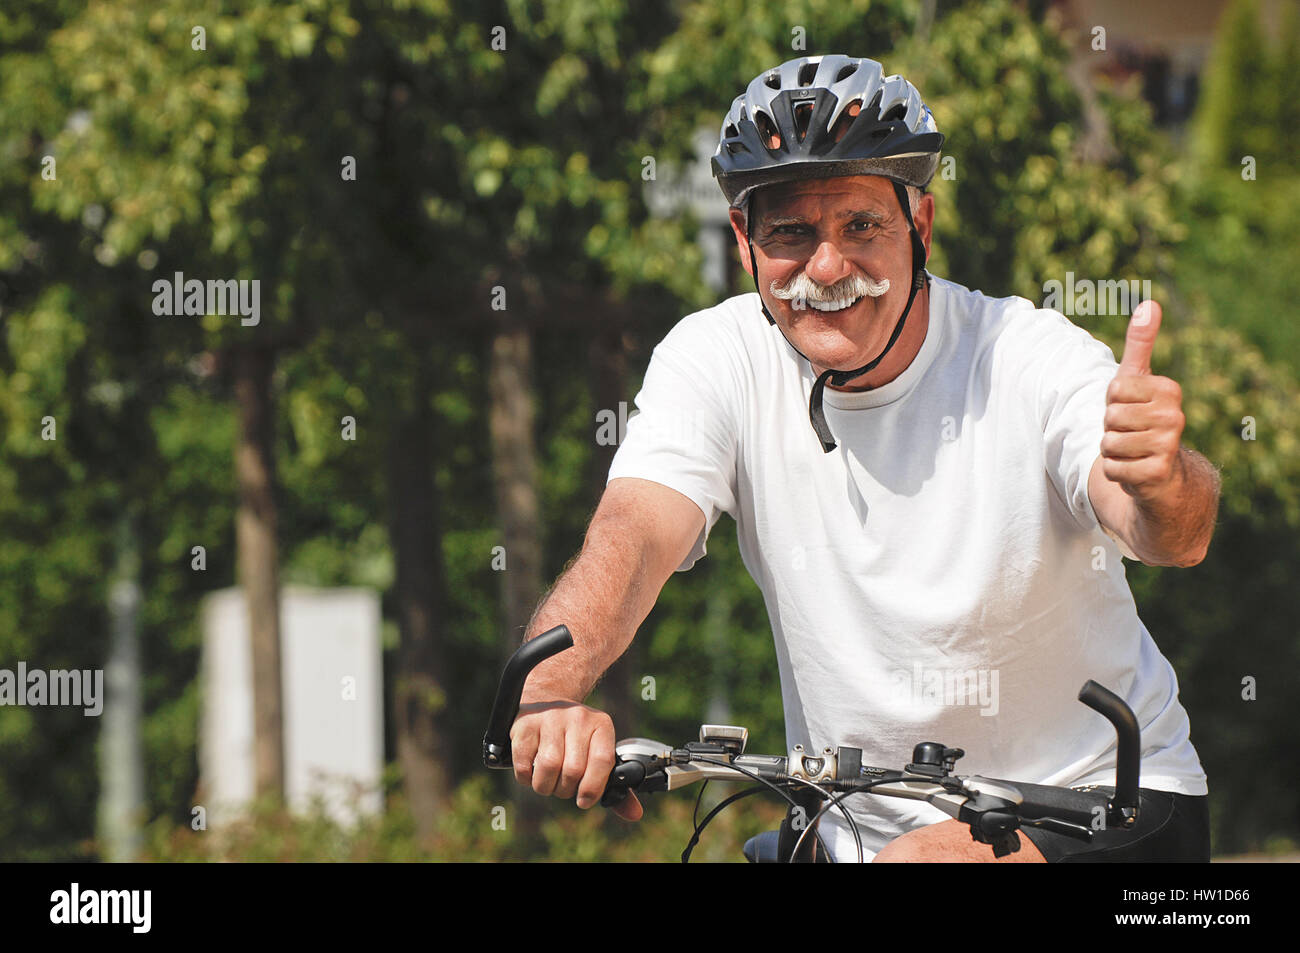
[[931, 488]]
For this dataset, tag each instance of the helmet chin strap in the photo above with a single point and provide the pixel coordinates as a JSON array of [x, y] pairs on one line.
[[839, 378]]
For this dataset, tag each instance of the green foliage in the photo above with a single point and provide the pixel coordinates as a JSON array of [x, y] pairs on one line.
[[1237, 263], [1286, 86], [1022, 205], [1234, 617], [1248, 105], [466, 832]]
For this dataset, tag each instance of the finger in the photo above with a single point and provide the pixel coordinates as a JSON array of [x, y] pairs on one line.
[[523, 749], [629, 808], [600, 761], [1140, 339], [549, 762], [1137, 389], [577, 740], [1134, 418], [1122, 417], [1135, 474], [1132, 446]]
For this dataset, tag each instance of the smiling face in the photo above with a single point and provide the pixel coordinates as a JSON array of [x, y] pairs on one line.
[[829, 242]]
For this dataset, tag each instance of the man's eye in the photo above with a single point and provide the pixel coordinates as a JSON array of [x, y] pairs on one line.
[[864, 223]]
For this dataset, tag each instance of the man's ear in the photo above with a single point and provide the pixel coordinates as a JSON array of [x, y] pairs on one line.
[[925, 220], [738, 228]]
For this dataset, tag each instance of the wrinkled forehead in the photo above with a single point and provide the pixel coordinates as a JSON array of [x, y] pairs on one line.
[[817, 195]]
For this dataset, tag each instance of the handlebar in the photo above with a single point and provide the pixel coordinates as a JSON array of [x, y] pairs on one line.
[[993, 808], [505, 709], [1128, 740]]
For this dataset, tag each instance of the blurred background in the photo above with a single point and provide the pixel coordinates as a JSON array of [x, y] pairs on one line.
[[305, 545]]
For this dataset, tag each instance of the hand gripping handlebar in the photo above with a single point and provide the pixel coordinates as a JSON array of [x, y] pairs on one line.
[[496, 741]]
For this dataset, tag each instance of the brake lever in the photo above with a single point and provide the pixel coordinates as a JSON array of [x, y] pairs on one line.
[[1058, 826], [626, 775]]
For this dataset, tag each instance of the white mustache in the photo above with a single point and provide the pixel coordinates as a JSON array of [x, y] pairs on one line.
[[851, 288]]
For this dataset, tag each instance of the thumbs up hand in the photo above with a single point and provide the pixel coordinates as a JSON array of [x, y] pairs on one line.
[[1141, 446]]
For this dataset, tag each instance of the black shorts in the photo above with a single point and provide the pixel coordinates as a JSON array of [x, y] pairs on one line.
[[1171, 828]]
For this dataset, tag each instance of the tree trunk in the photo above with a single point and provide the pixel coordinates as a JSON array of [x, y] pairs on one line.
[[121, 759], [1096, 144], [255, 535], [418, 696], [514, 469]]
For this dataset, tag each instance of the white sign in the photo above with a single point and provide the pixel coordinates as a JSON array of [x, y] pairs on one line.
[[332, 677], [674, 191]]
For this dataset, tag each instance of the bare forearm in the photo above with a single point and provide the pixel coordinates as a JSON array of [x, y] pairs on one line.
[[1172, 527], [602, 598]]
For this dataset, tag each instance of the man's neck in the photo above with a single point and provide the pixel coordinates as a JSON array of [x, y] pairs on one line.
[[903, 352]]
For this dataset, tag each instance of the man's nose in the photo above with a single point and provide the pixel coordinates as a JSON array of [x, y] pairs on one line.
[[827, 265]]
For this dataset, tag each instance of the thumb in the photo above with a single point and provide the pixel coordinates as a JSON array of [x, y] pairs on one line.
[[1141, 339]]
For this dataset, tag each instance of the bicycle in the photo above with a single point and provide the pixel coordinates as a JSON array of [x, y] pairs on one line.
[[992, 808]]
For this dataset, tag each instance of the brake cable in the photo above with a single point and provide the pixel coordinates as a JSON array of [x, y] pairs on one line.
[[699, 799], [832, 801], [853, 827], [699, 828], [791, 801], [860, 786]]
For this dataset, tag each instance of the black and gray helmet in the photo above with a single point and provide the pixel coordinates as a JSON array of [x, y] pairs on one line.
[[820, 116]]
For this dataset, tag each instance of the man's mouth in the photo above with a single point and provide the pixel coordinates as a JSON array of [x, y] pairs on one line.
[[840, 305]]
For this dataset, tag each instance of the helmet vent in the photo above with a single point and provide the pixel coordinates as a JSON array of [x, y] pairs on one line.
[[897, 111], [730, 132], [845, 120], [807, 73], [846, 72], [802, 115], [772, 81], [767, 131]]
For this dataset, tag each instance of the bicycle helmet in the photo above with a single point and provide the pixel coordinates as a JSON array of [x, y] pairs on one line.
[[823, 116]]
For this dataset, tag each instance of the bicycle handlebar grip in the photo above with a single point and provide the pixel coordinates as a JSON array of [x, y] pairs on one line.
[[1128, 738], [1076, 807], [505, 708]]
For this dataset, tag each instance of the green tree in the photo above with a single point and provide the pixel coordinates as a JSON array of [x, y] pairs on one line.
[[1238, 111], [1286, 120]]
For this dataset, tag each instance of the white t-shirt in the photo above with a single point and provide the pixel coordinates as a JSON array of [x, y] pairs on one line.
[[940, 575]]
